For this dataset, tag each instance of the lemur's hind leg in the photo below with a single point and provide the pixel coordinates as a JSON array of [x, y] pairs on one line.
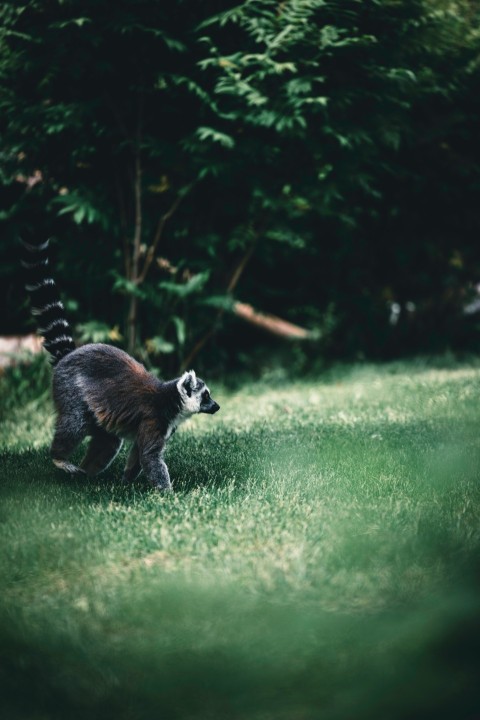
[[69, 433], [102, 450], [133, 467]]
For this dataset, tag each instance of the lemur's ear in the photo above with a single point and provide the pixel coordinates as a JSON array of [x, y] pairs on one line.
[[189, 382]]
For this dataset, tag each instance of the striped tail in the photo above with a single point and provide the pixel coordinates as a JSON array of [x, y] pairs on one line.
[[45, 302]]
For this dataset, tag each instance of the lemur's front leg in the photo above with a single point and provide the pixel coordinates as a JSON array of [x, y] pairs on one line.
[[150, 448], [155, 468]]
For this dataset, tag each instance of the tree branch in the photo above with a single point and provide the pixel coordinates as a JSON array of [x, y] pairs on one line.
[[137, 235], [271, 323], [124, 227], [157, 237], [237, 273], [235, 277]]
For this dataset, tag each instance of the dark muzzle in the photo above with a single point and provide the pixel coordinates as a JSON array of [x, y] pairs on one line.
[[212, 408]]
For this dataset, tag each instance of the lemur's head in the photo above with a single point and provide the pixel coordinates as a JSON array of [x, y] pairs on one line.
[[195, 395]]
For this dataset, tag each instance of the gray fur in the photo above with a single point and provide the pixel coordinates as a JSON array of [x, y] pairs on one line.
[[101, 392]]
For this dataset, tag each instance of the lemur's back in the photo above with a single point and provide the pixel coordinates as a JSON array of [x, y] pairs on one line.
[[116, 389], [105, 366]]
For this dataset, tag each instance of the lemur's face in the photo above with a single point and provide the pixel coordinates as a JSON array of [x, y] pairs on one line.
[[196, 395], [207, 403]]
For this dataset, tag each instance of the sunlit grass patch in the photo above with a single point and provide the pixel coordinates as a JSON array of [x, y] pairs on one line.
[[320, 545]]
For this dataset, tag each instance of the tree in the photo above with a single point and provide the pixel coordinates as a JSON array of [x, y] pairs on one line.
[[364, 113], [99, 104], [313, 157]]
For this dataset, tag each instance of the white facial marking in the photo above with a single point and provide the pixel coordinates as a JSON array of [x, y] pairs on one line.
[[191, 404]]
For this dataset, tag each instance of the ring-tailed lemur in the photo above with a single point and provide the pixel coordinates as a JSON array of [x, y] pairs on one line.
[[102, 392]]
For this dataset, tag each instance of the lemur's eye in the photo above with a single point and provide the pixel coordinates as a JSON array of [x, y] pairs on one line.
[[206, 395]]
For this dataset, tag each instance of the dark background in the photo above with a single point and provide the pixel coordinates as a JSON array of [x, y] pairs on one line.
[[320, 162]]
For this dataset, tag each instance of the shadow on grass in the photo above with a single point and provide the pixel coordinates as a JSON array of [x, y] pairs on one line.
[[351, 456], [186, 653]]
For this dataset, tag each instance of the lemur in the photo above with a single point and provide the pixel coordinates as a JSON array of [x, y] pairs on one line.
[[102, 392]]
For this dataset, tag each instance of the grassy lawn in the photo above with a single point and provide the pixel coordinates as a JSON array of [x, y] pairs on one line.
[[318, 560]]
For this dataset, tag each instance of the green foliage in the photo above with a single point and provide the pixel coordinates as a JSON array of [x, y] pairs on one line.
[[183, 290], [97, 332], [339, 139], [159, 346], [81, 209], [206, 133], [28, 380]]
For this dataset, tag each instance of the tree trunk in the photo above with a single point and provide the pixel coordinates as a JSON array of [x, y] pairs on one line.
[[137, 237], [132, 324]]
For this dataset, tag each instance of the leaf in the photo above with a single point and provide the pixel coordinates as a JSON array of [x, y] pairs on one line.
[[79, 22], [180, 328], [287, 237], [97, 332], [222, 302], [195, 284], [159, 346], [207, 133], [79, 215], [81, 208], [128, 287]]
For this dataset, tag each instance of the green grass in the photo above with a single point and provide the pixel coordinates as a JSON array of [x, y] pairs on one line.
[[318, 560]]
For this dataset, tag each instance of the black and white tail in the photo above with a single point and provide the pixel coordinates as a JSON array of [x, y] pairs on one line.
[[46, 305]]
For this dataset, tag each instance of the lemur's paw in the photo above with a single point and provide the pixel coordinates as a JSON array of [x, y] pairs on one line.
[[69, 467]]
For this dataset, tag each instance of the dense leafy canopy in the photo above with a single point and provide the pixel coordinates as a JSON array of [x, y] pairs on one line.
[[320, 160]]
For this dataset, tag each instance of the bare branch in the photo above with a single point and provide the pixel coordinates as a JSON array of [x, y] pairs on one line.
[[157, 237], [199, 345], [237, 273], [271, 323], [137, 235], [123, 226]]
